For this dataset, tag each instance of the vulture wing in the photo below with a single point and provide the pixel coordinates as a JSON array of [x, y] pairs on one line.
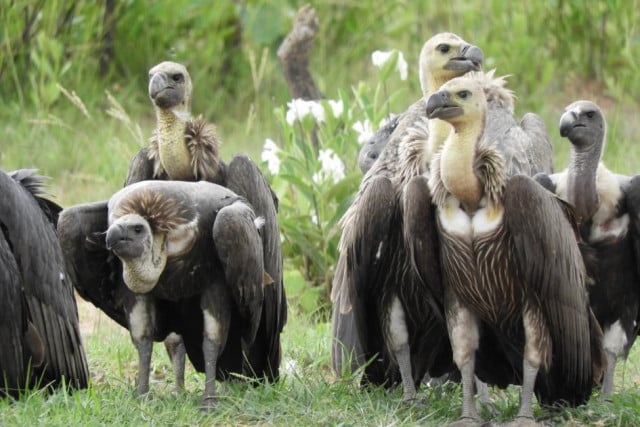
[[46, 311], [550, 264], [13, 319], [245, 179], [141, 168], [421, 237], [239, 247], [525, 146], [364, 275], [96, 272], [632, 192]]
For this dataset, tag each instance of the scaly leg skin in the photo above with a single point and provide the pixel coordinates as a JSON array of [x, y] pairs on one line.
[[145, 347], [399, 337], [404, 363], [177, 353], [211, 352], [529, 374], [462, 325], [467, 372], [607, 381], [482, 390]]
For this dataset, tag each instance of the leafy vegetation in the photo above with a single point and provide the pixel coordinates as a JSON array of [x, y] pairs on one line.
[[74, 106]]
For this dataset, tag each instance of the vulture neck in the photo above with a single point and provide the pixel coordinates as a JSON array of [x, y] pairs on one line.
[[457, 164], [141, 274], [581, 181], [175, 156], [439, 131]]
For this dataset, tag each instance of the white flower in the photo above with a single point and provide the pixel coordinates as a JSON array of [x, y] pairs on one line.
[[314, 219], [332, 167], [364, 130], [270, 155], [299, 108], [402, 66], [379, 58], [337, 107], [290, 367]]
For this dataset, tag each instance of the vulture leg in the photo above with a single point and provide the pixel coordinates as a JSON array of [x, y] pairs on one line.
[[216, 305], [141, 329], [464, 335], [535, 333], [400, 348], [607, 380], [177, 353]]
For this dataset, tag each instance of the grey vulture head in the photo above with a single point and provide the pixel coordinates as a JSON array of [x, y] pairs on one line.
[[170, 86]]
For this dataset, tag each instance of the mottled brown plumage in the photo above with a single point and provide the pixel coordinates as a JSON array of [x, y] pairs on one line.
[[163, 213], [381, 306], [510, 261]]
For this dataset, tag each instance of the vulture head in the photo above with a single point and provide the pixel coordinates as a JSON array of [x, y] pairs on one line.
[[147, 227], [445, 56], [129, 237], [584, 125], [461, 100], [143, 255], [170, 87]]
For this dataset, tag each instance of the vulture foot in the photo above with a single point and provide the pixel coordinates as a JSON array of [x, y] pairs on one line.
[[524, 422], [467, 422], [208, 403]]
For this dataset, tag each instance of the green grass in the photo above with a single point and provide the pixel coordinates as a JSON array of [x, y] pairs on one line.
[[307, 395]]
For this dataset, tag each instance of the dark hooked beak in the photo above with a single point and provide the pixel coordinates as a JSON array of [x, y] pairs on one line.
[[470, 58], [440, 106], [568, 121]]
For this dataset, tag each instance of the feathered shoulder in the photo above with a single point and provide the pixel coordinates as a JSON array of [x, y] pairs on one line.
[[204, 145], [495, 89], [412, 155], [36, 185]]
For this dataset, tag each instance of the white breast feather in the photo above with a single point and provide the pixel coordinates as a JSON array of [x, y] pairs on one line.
[[453, 219]]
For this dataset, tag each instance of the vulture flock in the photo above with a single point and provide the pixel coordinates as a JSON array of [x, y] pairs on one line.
[[463, 253]]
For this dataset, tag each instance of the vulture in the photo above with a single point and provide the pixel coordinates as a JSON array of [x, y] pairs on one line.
[[38, 314], [191, 257], [186, 149], [382, 311], [606, 205], [510, 260]]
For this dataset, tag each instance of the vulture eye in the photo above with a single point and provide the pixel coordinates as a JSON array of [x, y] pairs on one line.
[[591, 114], [464, 94], [443, 48], [177, 77], [137, 229]]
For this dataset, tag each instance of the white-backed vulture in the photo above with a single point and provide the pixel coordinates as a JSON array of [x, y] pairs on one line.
[[181, 148], [188, 246], [38, 315], [606, 205], [510, 262], [382, 309]]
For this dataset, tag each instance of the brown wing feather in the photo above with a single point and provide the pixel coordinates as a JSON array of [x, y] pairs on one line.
[[550, 264], [47, 293], [244, 178]]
